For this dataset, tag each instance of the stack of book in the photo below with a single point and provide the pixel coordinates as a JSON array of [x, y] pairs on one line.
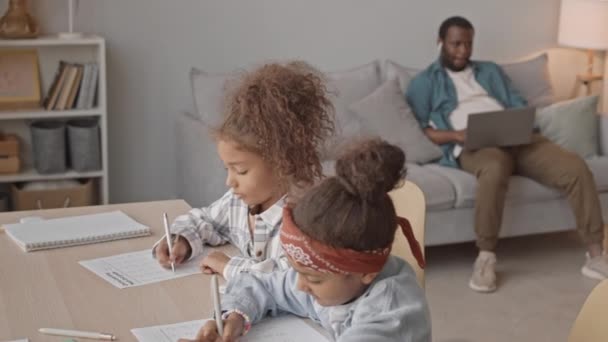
[[74, 87]]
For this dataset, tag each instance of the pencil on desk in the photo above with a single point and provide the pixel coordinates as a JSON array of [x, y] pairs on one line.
[[78, 333]]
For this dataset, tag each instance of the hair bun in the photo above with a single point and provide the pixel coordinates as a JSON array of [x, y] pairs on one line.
[[371, 168]]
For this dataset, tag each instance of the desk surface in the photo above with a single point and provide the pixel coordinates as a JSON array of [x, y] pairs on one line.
[[50, 289]]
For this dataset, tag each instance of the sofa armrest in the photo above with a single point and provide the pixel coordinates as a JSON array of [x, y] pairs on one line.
[[603, 136], [200, 172]]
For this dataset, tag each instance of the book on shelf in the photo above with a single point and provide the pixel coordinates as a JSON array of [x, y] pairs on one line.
[[62, 102], [91, 89], [86, 81], [73, 87], [53, 94], [88, 88]]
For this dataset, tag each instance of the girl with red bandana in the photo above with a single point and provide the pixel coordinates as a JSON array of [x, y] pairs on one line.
[[338, 239]]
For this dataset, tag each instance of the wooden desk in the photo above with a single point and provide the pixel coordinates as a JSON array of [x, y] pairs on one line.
[[50, 289]]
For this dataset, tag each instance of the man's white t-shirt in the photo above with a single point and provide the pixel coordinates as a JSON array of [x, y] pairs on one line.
[[472, 98]]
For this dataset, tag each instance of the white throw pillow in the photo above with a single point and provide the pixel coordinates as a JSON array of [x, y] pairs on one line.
[[531, 78], [208, 94], [403, 74], [347, 87], [385, 113]]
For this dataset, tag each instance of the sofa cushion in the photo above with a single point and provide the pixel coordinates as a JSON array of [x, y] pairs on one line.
[[572, 124], [386, 114], [438, 191], [521, 189], [208, 94], [347, 87], [404, 75], [464, 184], [531, 78]]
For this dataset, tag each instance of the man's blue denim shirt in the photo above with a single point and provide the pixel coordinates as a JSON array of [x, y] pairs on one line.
[[432, 96]]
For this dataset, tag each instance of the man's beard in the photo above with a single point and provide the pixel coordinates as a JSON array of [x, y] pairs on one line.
[[447, 63]]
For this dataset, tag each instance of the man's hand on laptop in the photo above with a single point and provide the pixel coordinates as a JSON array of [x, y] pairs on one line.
[[460, 136]]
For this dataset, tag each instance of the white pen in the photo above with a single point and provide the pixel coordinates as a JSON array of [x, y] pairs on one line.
[[215, 292], [76, 333], [168, 236]]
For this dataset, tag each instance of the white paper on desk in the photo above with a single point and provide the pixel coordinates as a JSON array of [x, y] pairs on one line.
[[21, 340], [138, 268], [277, 329]]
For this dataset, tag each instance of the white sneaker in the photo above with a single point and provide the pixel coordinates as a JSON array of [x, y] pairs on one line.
[[596, 267], [484, 273]]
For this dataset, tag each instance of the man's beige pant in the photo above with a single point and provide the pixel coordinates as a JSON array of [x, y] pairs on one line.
[[542, 161]]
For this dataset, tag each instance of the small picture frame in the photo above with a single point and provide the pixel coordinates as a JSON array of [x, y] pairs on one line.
[[19, 80]]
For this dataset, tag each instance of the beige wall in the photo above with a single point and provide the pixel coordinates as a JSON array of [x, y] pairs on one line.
[[153, 43]]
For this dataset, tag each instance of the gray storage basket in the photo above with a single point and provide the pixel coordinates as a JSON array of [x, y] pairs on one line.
[[48, 144], [83, 141]]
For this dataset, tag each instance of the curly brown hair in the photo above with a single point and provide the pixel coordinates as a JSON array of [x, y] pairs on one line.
[[353, 209], [283, 113]]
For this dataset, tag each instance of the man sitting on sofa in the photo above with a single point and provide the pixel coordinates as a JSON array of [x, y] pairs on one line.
[[443, 95]]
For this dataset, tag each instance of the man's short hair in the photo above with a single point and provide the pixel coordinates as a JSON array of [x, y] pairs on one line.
[[453, 21]]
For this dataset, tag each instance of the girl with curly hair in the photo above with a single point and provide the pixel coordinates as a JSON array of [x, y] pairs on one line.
[[275, 122], [338, 239]]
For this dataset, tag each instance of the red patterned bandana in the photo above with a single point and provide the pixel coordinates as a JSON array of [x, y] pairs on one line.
[[326, 259]]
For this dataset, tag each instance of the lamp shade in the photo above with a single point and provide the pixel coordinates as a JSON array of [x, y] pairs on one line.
[[584, 24]]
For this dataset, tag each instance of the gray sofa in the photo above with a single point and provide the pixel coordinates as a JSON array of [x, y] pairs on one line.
[[531, 208]]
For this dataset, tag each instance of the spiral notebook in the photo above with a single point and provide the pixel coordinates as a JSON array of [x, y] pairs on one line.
[[75, 230]]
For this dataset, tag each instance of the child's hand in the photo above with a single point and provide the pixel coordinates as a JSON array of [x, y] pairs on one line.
[[181, 252], [234, 326], [215, 262]]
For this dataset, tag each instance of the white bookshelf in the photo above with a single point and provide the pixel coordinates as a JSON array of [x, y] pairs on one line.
[[53, 40], [30, 174], [50, 114], [52, 49]]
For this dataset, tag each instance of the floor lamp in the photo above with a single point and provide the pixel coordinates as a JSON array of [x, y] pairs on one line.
[[584, 24]]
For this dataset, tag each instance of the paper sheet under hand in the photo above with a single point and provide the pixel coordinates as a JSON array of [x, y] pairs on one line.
[[138, 268], [278, 329]]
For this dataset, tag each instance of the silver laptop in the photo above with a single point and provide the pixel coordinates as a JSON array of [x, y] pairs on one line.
[[509, 127]]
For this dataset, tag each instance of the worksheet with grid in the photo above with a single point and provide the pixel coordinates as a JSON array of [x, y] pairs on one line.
[[139, 268], [168, 333], [277, 329]]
